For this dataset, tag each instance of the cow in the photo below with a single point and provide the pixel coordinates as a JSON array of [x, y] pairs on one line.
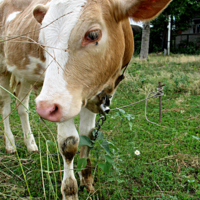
[[79, 48], [15, 68]]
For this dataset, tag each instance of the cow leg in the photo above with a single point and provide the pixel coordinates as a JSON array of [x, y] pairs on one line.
[[5, 101], [87, 124], [68, 140], [22, 91]]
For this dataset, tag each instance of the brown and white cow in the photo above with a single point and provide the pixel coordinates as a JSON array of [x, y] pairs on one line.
[[85, 45], [16, 61]]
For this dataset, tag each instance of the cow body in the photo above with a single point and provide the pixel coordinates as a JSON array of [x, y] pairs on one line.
[[21, 65], [78, 47]]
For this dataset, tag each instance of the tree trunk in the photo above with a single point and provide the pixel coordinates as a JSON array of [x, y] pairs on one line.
[[145, 41]]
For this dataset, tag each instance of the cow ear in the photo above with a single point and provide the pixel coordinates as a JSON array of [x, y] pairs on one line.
[[39, 12], [138, 10]]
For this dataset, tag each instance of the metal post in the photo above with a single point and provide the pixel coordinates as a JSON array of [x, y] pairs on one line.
[[169, 33], [160, 103]]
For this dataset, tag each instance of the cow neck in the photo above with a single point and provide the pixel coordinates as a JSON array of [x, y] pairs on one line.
[[105, 98]]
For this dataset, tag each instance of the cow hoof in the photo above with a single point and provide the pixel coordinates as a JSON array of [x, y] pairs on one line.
[[86, 179], [74, 197], [10, 150], [90, 188], [30, 144], [32, 148], [10, 144], [70, 189]]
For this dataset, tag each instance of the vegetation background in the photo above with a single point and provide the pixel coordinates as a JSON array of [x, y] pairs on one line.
[[181, 20], [168, 166]]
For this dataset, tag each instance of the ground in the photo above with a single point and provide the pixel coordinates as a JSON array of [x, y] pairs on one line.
[[168, 166]]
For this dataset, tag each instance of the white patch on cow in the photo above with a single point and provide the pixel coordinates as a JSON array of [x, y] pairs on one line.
[[12, 16], [48, 3], [10, 141], [29, 71], [64, 15], [87, 122]]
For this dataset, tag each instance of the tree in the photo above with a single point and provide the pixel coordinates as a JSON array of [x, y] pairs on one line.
[[145, 40], [182, 13]]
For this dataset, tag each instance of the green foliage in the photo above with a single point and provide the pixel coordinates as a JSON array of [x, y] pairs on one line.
[[183, 14], [81, 164], [184, 48], [84, 140], [99, 144], [181, 20], [137, 42], [123, 115]]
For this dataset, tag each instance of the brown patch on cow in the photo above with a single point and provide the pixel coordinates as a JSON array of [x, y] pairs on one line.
[[70, 189], [18, 51], [93, 105], [139, 10], [1, 104], [41, 53], [88, 170], [152, 8], [87, 179], [39, 12], [38, 69], [69, 148]]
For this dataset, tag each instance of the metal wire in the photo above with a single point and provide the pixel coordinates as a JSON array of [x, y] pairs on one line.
[[159, 93]]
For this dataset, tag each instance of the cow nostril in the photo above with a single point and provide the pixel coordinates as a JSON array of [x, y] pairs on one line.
[[49, 111], [54, 110]]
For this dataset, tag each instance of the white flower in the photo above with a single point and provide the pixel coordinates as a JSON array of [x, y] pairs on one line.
[[137, 152]]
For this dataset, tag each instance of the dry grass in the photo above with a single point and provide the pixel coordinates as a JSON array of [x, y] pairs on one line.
[[155, 58], [179, 74]]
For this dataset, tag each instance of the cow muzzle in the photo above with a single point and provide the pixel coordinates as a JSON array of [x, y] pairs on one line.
[[49, 111]]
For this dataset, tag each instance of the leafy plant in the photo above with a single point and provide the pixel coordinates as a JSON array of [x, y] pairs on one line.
[[123, 115], [99, 144]]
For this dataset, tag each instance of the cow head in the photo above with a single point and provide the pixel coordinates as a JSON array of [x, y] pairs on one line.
[[86, 47]]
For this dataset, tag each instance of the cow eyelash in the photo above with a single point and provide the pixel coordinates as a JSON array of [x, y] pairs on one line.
[[92, 37]]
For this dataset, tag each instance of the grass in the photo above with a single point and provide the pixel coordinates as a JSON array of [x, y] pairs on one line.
[[169, 164]]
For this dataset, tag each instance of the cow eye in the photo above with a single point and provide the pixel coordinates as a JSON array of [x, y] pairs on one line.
[[92, 37]]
